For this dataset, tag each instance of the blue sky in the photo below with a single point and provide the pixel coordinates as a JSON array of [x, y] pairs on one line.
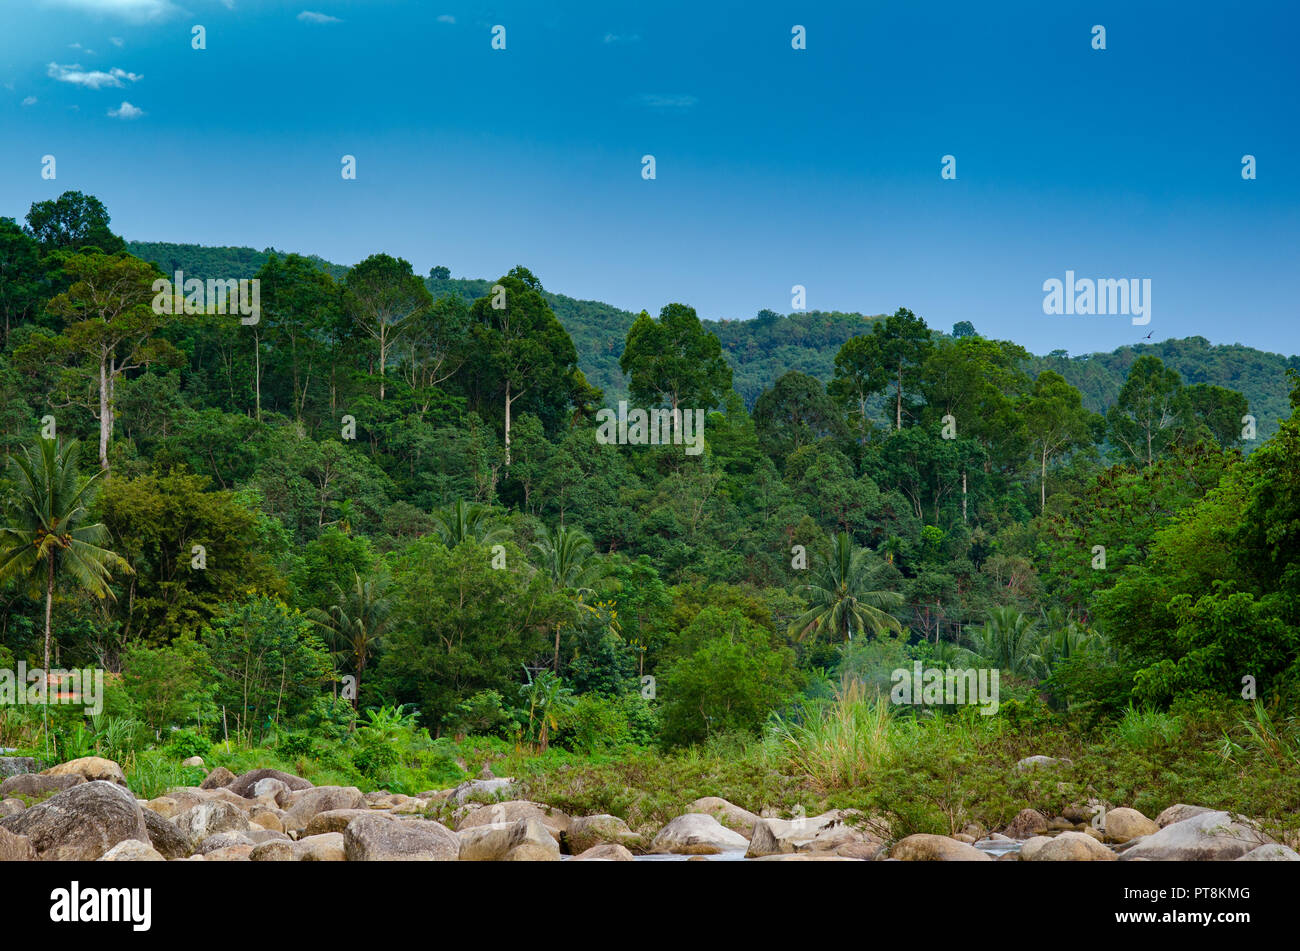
[[775, 167]]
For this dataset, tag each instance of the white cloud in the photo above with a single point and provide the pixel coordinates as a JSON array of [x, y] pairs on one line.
[[29, 101], [612, 38], [126, 111], [91, 79], [446, 18], [659, 101], [307, 16], [115, 40], [137, 11]]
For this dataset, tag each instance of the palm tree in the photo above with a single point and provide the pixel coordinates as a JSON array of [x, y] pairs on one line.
[[841, 599], [44, 537], [463, 520], [357, 622], [547, 699], [567, 556], [1009, 641]]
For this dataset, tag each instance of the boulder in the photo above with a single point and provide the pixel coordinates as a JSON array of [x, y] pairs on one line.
[[728, 813], [1123, 824], [785, 836], [38, 785], [165, 806], [15, 848], [1178, 812], [221, 794], [16, 766], [379, 838], [515, 810], [525, 840], [258, 835], [81, 823], [271, 792], [310, 802], [219, 778], [480, 788], [177, 800], [90, 768], [165, 838], [326, 847], [1212, 836], [587, 832], [131, 850], [1027, 824], [332, 820], [277, 850], [222, 840], [936, 848], [1038, 762], [1272, 852], [244, 784], [411, 807], [192, 761], [11, 807], [697, 834], [207, 818], [266, 818], [231, 853], [1082, 812], [1031, 846], [1070, 847], [606, 852]]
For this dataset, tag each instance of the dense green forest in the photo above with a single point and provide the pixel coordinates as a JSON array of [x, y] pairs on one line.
[[385, 498]]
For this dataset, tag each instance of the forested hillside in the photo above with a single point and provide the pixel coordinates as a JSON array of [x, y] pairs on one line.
[[761, 349], [382, 528]]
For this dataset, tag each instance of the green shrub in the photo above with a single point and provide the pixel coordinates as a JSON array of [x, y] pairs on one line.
[[186, 743]]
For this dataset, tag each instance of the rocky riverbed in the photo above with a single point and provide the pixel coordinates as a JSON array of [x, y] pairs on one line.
[[83, 810]]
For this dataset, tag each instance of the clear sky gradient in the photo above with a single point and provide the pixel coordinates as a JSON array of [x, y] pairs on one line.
[[775, 167]]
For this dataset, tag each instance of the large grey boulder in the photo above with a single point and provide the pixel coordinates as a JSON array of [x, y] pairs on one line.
[[482, 788], [165, 837], [514, 810], [36, 785], [524, 841], [380, 838], [728, 813], [697, 834], [1070, 847], [209, 818], [310, 802], [245, 784], [587, 832], [1209, 836], [1178, 812], [923, 847], [131, 850], [81, 823], [90, 768]]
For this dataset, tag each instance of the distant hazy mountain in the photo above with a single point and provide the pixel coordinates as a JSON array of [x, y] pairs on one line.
[[761, 349]]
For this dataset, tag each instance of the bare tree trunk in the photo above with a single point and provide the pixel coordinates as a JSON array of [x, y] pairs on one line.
[[105, 411]]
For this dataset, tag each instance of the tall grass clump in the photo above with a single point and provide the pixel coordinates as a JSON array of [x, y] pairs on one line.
[[838, 744], [1148, 729]]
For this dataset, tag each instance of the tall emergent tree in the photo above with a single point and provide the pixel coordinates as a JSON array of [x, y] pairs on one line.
[[1149, 414], [110, 328], [674, 360], [384, 297], [525, 354], [1056, 422]]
